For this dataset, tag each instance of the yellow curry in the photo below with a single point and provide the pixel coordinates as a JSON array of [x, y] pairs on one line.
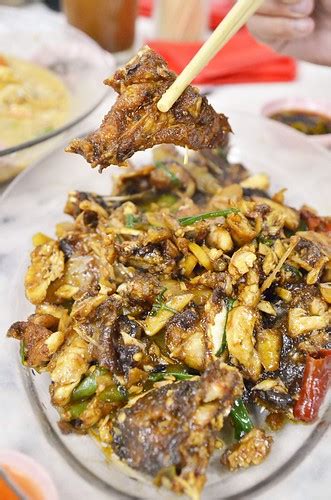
[[33, 101]]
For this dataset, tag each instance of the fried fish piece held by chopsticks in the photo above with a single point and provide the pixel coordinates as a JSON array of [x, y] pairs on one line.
[[134, 123]]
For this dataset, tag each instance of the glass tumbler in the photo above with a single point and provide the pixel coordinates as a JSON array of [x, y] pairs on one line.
[[110, 22]]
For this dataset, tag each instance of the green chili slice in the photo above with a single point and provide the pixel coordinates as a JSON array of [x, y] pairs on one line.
[[187, 221], [77, 409], [88, 386], [113, 394], [240, 418]]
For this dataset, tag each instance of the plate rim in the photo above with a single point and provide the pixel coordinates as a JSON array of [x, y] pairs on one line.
[[85, 473]]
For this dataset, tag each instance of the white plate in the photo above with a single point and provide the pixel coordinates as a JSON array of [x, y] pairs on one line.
[[35, 201]]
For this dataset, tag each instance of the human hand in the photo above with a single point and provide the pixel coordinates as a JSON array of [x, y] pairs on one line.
[[299, 28]]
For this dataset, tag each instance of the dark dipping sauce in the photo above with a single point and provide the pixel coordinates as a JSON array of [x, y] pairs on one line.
[[308, 122]]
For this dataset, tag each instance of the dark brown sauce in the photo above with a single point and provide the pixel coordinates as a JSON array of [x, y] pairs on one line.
[[308, 122]]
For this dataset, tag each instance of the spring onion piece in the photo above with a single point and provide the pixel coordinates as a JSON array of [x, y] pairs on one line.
[[173, 177], [159, 304], [293, 270], [77, 409], [156, 377], [178, 371], [22, 352], [229, 305], [191, 219], [153, 324], [266, 241], [88, 386], [241, 421], [131, 220]]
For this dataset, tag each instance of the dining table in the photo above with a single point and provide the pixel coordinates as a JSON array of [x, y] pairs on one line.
[[20, 430]]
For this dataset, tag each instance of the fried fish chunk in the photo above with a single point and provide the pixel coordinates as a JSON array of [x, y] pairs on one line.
[[134, 123], [40, 338], [252, 449], [175, 426]]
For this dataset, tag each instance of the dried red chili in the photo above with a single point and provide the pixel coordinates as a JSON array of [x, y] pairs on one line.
[[316, 380], [316, 222]]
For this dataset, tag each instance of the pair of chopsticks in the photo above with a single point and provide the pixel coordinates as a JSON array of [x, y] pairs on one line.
[[234, 20]]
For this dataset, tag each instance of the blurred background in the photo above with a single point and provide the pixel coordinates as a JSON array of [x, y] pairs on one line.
[[80, 42]]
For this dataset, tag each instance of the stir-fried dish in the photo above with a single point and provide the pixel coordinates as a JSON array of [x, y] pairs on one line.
[[134, 123], [185, 301]]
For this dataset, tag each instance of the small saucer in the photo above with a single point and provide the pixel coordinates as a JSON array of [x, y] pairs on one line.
[[18, 465], [302, 104]]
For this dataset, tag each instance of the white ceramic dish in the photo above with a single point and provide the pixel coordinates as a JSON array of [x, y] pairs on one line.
[[302, 104], [26, 466], [262, 145], [74, 57]]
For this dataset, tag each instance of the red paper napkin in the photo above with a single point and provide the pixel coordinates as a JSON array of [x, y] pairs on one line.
[[242, 60]]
